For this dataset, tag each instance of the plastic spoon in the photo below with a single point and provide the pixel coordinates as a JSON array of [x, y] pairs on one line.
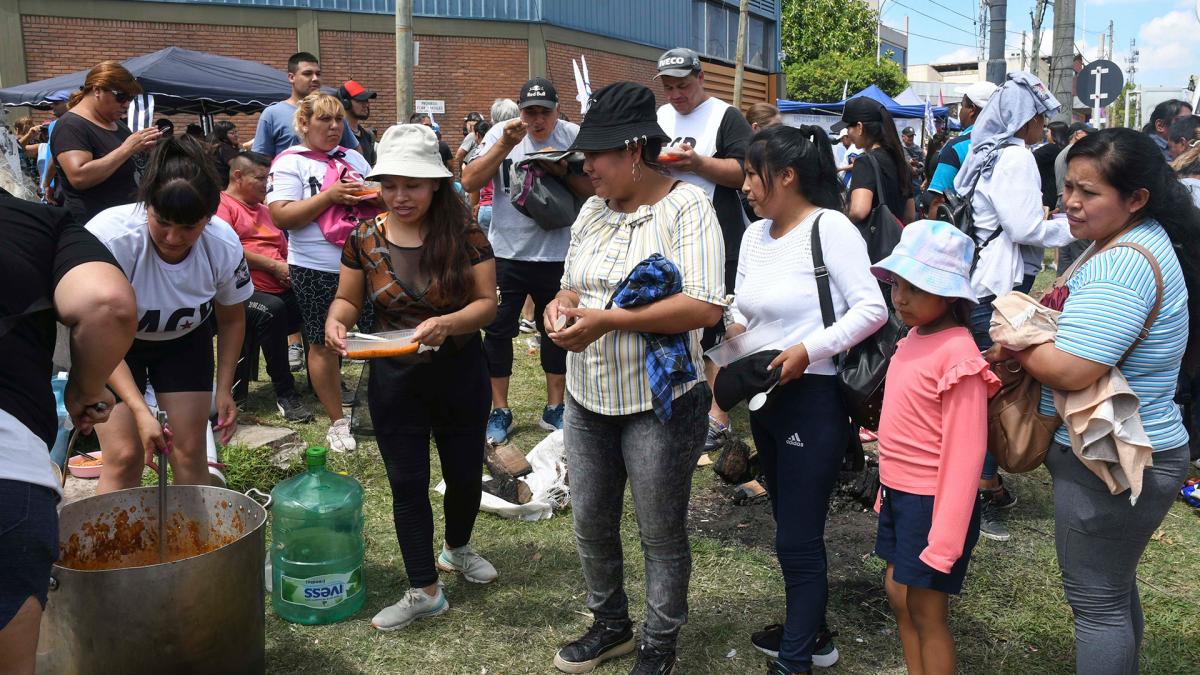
[[760, 399]]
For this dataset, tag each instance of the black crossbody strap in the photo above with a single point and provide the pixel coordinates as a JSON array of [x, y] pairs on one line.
[[821, 273]]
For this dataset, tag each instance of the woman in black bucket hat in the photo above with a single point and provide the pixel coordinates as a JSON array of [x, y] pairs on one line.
[[644, 273]]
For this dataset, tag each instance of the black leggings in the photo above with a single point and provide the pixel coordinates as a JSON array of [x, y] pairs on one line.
[[449, 398]]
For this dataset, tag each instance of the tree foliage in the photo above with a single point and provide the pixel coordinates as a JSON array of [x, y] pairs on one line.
[[823, 79], [810, 29]]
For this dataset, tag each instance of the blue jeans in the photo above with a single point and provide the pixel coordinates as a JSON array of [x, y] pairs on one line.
[[801, 436], [657, 459], [981, 320]]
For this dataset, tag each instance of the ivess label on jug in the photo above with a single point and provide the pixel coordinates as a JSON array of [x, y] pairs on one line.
[[323, 591]]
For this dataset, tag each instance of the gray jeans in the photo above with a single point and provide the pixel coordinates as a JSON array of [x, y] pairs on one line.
[[658, 460], [1099, 539]]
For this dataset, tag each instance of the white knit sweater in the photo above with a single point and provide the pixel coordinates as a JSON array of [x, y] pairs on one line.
[[775, 281]]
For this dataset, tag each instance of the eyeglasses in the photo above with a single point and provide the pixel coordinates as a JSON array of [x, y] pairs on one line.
[[121, 96]]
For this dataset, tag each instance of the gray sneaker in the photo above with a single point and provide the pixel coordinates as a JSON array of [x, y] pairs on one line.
[[464, 559], [296, 357], [991, 524], [414, 605]]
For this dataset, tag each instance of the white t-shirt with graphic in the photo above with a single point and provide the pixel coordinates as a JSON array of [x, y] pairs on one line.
[[515, 236], [294, 177], [174, 299]]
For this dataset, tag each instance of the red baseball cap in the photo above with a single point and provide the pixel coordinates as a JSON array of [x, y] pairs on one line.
[[352, 90]]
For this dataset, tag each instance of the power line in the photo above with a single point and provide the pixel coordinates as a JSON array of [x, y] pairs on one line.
[[971, 18], [937, 39], [948, 25]]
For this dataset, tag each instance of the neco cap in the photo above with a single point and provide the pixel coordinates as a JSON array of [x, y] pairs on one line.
[[678, 62]]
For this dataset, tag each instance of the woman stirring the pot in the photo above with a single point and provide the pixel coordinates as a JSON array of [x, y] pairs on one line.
[[425, 266], [311, 186], [187, 269]]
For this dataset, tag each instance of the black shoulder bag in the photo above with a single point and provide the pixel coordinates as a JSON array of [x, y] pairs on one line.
[[863, 367], [881, 229]]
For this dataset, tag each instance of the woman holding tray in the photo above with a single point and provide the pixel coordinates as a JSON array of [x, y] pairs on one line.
[[427, 267]]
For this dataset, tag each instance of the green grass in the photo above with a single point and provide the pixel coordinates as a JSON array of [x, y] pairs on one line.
[[1011, 617]]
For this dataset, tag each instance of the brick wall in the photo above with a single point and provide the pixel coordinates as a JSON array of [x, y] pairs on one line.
[[466, 73], [604, 68], [57, 46]]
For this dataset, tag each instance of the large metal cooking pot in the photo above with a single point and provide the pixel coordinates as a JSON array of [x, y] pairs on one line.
[[198, 614]]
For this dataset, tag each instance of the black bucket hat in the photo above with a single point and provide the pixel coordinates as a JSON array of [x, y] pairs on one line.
[[618, 115]]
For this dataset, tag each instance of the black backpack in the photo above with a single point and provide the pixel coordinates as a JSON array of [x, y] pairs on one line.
[[958, 211]]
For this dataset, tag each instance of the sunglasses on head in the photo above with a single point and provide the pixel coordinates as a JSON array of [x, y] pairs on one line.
[[121, 96]]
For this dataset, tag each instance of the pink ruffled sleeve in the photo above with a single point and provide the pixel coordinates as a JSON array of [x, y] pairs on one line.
[[964, 390]]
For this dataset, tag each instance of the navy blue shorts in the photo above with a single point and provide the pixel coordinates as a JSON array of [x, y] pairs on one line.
[[28, 544], [904, 523]]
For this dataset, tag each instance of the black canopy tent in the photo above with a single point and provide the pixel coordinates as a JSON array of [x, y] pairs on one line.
[[181, 81]]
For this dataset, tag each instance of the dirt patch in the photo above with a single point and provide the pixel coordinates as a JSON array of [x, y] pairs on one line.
[[714, 512]]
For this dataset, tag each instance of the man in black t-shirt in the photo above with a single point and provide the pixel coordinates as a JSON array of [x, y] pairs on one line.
[[49, 268], [356, 99]]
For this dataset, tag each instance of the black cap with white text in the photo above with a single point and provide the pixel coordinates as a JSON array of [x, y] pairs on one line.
[[540, 92]]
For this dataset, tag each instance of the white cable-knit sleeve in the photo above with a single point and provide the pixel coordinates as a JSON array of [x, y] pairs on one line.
[[743, 265], [850, 276]]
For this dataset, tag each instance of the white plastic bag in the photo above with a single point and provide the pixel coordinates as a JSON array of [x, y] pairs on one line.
[[547, 483]]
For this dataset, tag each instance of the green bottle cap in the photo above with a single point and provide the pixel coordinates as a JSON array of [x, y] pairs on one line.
[[315, 456]]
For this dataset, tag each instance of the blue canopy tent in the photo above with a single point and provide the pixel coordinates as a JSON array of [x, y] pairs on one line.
[[897, 110], [180, 81]]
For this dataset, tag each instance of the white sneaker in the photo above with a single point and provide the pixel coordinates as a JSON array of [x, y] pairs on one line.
[[339, 438], [464, 559], [414, 605]]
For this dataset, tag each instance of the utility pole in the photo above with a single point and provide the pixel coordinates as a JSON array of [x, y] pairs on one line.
[[1036, 15], [1062, 62], [740, 60], [997, 17], [1110, 40], [1023, 64], [404, 60], [1130, 88]]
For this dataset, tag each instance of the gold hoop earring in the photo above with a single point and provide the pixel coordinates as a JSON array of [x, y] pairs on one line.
[[637, 172]]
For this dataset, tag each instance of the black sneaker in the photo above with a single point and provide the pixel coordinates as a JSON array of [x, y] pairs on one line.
[[776, 669], [991, 524], [653, 661], [601, 642], [293, 409], [825, 653]]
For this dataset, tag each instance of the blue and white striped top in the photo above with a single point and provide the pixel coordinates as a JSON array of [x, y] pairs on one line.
[[1111, 296]]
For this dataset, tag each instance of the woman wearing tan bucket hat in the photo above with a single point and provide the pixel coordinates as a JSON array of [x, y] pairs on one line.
[[427, 267]]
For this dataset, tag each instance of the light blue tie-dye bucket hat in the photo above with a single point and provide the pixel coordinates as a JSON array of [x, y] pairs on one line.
[[934, 256]]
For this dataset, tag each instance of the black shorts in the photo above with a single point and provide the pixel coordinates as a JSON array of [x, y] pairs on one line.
[[315, 291], [28, 544], [904, 523], [182, 364]]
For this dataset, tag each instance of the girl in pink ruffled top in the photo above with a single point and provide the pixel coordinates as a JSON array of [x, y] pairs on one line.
[[932, 439]]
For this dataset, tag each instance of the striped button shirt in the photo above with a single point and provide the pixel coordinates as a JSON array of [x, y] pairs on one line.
[[609, 377], [1111, 296]]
